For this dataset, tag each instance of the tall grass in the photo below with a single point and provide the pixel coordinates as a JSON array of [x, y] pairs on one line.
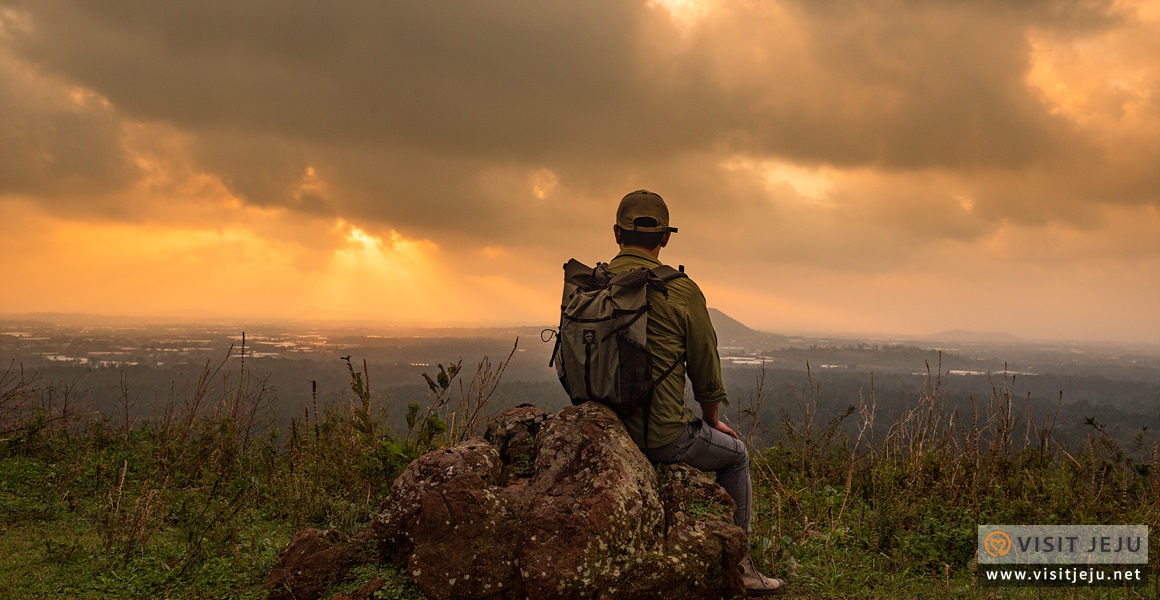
[[197, 501], [856, 506]]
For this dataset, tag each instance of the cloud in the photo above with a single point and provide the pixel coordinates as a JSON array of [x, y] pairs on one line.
[[58, 139], [842, 138], [893, 85]]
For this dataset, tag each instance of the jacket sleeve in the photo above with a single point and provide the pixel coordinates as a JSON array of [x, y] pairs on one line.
[[703, 359]]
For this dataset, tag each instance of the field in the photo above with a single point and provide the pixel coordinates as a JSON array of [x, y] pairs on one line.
[[195, 500]]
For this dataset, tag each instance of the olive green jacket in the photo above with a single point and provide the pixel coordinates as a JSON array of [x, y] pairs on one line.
[[678, 324]]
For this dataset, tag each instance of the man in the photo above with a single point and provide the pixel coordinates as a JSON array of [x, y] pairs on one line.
[[681, 337]]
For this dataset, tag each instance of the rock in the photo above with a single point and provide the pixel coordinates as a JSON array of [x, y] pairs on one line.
[[700, 535], [513, 433], [312, 560], [365, 591], [560, 506], [448, 525], [593, 513]]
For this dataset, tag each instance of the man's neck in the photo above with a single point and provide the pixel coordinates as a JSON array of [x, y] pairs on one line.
[[653, 252]]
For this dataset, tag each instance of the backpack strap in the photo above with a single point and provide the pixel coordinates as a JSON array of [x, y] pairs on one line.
[[658, 277], [667, 273], [649, 400], [588, 278]]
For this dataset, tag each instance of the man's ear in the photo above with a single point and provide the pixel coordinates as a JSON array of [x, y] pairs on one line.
[[616, 233], [665, 239]]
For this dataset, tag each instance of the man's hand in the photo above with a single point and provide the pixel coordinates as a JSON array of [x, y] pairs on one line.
[[709, 416], [723, 428]]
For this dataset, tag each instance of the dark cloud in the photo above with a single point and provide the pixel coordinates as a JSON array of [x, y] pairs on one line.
[[267, 172], [431, 117], [58, 143], [932, 85], [479, 78], [899, 85]]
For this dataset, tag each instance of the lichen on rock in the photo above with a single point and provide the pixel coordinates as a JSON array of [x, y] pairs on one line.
[[551, 506]]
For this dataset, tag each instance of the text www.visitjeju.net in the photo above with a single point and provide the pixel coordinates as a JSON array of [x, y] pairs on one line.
[[1064, 575]]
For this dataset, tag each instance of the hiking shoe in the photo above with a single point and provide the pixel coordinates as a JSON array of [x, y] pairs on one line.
[[757, 584]]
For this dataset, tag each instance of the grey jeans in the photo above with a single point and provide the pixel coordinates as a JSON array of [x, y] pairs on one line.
[[708, 449]]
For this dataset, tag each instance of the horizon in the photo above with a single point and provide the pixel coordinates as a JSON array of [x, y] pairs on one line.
[[885, 170], [171, 319]]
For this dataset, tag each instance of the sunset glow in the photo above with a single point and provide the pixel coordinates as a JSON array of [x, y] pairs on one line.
[[894, 169]]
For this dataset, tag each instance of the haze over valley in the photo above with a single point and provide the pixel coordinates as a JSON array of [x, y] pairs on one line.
[[109, 365]]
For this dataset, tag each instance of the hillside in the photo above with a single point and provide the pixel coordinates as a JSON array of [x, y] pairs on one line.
[[734, 333]]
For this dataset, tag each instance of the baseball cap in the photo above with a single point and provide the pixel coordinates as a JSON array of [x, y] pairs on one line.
[[644, 211]]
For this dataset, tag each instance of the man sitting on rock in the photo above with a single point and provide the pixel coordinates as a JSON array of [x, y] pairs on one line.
[[679, 331]]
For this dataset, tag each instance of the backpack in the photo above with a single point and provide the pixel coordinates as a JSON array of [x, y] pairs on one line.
[[601, 350]]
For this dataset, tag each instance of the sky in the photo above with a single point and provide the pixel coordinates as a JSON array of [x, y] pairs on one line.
[[888, 167]]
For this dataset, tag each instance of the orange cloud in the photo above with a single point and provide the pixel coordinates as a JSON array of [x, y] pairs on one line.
[[125, 268], [865, 166]]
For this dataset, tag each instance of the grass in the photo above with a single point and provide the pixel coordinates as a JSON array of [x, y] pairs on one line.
[[855, 508], [197, 503]]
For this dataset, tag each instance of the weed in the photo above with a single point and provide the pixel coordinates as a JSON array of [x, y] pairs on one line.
[[846, 512], [197, 502]]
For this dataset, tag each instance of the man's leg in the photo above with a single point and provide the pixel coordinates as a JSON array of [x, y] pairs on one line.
[[707, 449]]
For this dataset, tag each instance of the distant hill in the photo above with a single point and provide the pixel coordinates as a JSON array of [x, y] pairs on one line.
[[963, 336], [731, 332]]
